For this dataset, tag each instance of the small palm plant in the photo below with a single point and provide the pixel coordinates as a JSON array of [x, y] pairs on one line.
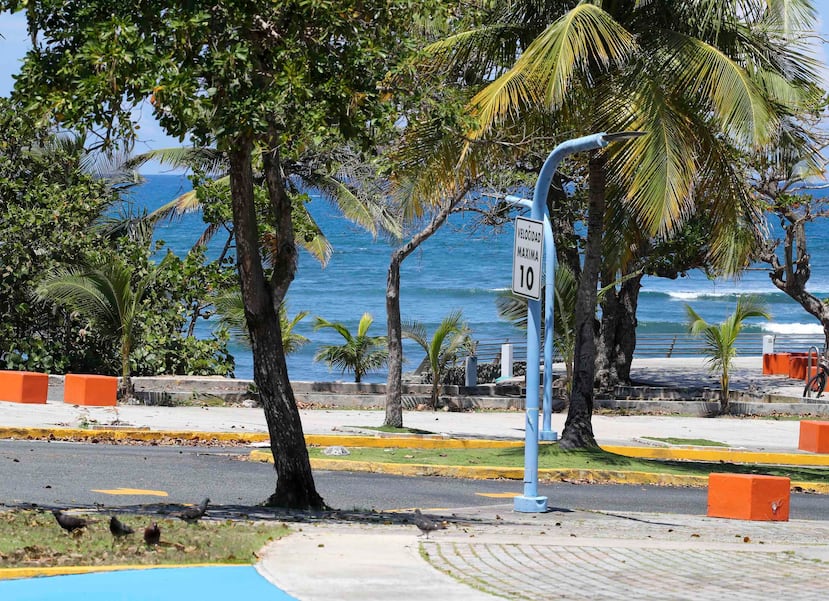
[[720, 339], [450, 337], [231, 309], [360, 354], [107, 294]]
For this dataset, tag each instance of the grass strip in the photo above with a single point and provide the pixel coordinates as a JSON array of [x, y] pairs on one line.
[[30, 538], [551, 456], [690, 442]]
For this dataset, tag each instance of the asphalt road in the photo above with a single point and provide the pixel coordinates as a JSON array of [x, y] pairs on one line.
[[71, 474]]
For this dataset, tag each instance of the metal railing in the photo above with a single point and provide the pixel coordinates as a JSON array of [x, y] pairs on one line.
[[670, 345]]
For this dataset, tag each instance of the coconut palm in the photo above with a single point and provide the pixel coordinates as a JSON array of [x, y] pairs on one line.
[[107, 293], [706, 79], [720, 339], [360, 353], [363, 208], [451, 335], [231, 309]]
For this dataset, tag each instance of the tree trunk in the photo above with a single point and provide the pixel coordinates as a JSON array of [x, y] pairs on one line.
[[295, 483], [578, 429], [394, 331], [617, 334], [394, 380], [562, 220], [793, 273], [626, 328]]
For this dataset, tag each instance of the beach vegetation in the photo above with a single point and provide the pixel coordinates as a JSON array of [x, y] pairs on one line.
[[359, 353], [107, 294], [721, 339], [231, 311], [449, 339], [696, 77]]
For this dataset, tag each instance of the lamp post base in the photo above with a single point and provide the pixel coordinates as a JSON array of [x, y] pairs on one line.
[[548, 435], [530, 504]]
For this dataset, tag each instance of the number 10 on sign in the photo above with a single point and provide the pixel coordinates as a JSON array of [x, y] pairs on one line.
[[526, 257]]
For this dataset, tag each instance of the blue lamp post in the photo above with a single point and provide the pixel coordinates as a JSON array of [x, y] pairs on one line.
[[530, 501]]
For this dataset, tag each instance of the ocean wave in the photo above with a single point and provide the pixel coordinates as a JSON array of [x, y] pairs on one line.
[[792, 328], [768, 296]]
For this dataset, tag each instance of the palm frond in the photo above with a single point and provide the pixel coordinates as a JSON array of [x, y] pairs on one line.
[[733, 94]]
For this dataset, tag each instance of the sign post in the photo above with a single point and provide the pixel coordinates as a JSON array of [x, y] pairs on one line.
[[526, 258]]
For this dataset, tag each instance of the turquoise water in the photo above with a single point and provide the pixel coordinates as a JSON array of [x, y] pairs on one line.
[[460, 270]]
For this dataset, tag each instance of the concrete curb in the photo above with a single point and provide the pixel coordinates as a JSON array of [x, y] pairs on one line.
[[323, 440], [35, 572]]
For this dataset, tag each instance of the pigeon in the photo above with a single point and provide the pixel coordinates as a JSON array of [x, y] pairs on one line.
[[119, 529], [191, 515], [152, 534], [70, 523], [425, 524]]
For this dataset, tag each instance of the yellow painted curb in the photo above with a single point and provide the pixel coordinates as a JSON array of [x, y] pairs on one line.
[[720, 454], [323, 440], [36, 572], [482, 472], [139, 435]]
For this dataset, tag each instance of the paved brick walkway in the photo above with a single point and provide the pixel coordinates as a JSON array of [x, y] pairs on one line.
[[575, 572], [493, 552]]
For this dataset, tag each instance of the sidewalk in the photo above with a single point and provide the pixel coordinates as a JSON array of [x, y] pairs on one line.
[[494, 553]]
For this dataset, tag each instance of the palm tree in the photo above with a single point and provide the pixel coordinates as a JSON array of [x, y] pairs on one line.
[[108, 294], [361, 353], [451, 335], [720, 339], [706, 79], [231, 310]]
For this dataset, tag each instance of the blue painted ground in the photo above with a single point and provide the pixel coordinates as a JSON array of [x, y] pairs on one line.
[[158, 584]]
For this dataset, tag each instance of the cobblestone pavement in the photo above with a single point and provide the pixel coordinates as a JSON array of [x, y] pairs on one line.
[[601, 556], [486, 553]]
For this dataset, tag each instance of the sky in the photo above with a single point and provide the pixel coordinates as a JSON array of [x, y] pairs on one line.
[[15, 42]]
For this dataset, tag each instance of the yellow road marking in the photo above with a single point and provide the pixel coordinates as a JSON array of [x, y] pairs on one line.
[[498, 495], [132, 491]]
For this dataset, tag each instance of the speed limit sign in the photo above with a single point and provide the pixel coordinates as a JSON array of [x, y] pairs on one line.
[[526, 257]]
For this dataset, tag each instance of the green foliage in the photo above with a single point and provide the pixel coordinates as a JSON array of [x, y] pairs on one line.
[[46, 206], [720, 339], [231, 310], [444, 347], [360, 353]]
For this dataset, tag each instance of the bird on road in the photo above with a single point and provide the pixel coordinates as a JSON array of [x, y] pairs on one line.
[[118, 528], [425, 525], [152, 534], [70, 523], [191, 515]]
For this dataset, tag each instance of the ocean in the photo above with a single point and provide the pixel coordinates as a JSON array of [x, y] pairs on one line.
[[459, 269]]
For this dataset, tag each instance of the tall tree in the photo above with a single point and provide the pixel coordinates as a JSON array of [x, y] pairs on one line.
[[702, 78], [244, 77]]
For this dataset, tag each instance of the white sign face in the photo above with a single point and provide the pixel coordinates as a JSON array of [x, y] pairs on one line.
[[526, 258]]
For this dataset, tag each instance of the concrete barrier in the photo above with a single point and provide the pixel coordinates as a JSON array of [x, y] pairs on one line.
[[91, 390], [814, 436], [23, 386], [749, 497]]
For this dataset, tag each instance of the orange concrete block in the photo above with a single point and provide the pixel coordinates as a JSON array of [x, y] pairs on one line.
[[83, 389], [748, 497], [814, 436], [23, 386], [776, 364]]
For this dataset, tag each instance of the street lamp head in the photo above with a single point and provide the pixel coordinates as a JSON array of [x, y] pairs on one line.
[[618, 136]]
